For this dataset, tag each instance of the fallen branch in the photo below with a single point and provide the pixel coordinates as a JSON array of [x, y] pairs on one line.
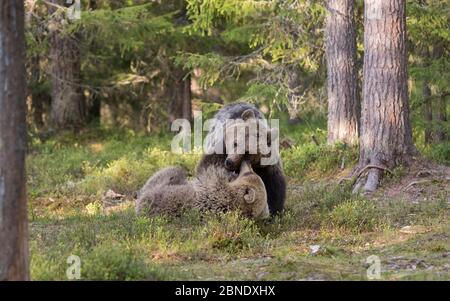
[[423, 173], [426, 181], [416, 182]]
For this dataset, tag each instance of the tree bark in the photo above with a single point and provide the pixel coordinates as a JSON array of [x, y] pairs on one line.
[[441, 132], [386, 136], [187, 99], [343, 106], [294, 97], [37, 97], [68, 107], [13, 135], [181, 99], [427, 108]]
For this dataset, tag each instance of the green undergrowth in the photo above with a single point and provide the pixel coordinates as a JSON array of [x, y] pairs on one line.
[[326, 232]]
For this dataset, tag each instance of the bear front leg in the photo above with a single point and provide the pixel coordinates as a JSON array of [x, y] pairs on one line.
[[210, 160], [275, 183]]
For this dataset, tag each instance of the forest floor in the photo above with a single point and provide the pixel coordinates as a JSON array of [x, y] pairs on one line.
[[81, 190]]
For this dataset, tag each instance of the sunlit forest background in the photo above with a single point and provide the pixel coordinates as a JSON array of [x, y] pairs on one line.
[[129, 68]]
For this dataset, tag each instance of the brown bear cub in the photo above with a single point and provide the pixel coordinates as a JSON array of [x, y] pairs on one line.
[[221, 138], [169, 192]]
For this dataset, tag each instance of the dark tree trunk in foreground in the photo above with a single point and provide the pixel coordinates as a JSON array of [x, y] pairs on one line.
[[343, 107], [427, 109], [386, 138], [68, 108], [13, 203]]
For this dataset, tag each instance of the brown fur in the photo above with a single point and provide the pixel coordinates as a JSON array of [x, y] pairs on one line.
[[173, 175], [212, 190], [272, 175]]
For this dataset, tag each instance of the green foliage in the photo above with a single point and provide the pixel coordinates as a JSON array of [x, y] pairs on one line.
[[129, 28], [113, 160], [430, 40], [439, 152], [356, 215], [274, 40], [133, 55], [114, 262], [317, 160]]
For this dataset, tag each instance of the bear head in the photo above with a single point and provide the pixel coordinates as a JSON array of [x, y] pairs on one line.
[[249, 191], [249, 138]]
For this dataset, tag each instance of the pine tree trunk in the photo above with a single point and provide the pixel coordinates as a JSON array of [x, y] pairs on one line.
[[37, 98], [343, 107], [441, 132], [181, 106], [294, 98], [386, 137], [427, 108], [68, 108], [13, 134], [94, 112], [187, 99], [92, 4]]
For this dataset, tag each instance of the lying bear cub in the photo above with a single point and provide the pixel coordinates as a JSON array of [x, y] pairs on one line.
[[169, 192]]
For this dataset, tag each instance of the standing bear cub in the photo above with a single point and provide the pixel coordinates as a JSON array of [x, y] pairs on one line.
[[169, 192], [222, 142]]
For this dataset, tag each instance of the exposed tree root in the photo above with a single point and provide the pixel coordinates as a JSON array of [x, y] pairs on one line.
[[373, 166], [416, 183], [372, 181], [419, 171]]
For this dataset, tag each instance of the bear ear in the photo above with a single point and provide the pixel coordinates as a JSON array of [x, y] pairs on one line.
[[245, 168], [249, 196], [247, 114]]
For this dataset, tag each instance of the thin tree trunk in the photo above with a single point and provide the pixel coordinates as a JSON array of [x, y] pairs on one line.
[[187, 99], [294, 98], [441, 132], [68, 107], [181, 98], [386, 137], [427, 108], [94, 110], [37, 99], [343, 107], [95, 107], [13, 134], [92, 4]]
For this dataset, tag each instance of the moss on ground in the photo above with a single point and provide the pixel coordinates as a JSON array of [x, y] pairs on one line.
[[325, 233]]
